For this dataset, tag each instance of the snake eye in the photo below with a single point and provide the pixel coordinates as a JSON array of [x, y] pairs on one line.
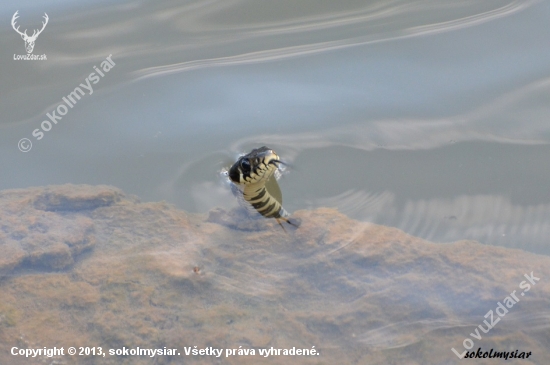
[[245, 165]]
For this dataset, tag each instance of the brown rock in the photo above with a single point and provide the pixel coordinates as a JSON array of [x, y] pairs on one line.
[[158, 277]]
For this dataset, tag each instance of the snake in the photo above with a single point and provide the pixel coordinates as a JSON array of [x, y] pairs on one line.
[[250, 174]]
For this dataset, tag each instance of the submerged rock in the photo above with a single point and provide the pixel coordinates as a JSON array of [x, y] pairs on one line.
[[159, 277], [34, 237], [76, 197]]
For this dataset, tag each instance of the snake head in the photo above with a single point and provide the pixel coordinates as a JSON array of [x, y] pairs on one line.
[[254, 167]]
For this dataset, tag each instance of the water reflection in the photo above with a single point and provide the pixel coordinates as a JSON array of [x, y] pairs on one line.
[[420, 116], [479, 191], [381, 17]]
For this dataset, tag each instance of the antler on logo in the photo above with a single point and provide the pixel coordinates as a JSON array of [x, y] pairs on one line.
[[29, 41]]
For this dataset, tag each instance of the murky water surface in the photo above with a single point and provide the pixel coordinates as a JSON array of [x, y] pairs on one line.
[[430, 117]]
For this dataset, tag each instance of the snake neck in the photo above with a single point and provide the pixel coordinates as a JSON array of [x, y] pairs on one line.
[[258, 196]]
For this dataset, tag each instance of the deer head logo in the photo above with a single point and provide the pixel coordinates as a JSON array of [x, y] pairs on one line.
[[29, 41]]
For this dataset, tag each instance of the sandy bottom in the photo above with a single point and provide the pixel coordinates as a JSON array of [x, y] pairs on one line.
[[89, 266]]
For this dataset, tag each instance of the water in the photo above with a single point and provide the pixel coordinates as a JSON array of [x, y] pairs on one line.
[[431, 118], [416, 113]]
